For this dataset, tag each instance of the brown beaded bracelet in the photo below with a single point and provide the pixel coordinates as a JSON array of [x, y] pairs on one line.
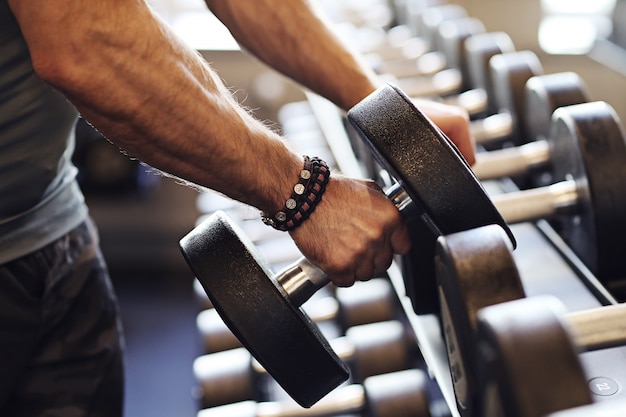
[[306, 195]]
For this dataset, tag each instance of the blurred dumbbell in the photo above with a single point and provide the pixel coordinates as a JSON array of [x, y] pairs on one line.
[[446, 79], [529, 348], [585, 203], [397, 394], [407, 12], [370, 349], [367, 302], [479, 49], [509, 73], [544, 94]]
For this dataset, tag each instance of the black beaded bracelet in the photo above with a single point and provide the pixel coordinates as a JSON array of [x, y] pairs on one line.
[[306, 195]]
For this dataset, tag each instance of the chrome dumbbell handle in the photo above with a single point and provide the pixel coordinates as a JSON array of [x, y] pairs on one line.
[[302, 279]]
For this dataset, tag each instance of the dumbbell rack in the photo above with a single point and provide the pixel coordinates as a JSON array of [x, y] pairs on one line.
[[547, 266]]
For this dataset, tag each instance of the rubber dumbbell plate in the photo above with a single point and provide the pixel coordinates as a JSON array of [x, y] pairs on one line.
[[475, 269], [431, 171], [589, 148], [258, 311]]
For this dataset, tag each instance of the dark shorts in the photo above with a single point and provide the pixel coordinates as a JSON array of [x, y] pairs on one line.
[[60, 332]]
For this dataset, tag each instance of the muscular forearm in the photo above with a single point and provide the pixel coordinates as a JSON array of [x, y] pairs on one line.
[[291, 38], [155, 98]]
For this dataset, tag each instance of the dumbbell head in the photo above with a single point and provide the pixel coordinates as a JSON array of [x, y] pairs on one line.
[[370, 349], [451, 38], [531, 367], [397, 394], [265, 316], [585, 201], [442, 188], [257, 310], [588, 147], [479, 49], [546, 93], [475, 268], [509, 73], [432, 17]]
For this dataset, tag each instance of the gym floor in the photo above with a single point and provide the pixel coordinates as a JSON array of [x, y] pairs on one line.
[[158, 315], [139, 237]]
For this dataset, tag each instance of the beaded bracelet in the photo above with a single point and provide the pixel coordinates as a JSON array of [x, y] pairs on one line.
[[306, 195]]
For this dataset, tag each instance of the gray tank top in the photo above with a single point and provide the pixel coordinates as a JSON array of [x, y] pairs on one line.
[[39, 198]]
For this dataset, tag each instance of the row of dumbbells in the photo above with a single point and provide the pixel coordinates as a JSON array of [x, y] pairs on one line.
[[563, 145], [508, 69], [541, 148]]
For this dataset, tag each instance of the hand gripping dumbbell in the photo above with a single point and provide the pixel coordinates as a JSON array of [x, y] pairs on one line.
[[369, 349], [530, 351], [263, 310], [397, 394], [366, 302]]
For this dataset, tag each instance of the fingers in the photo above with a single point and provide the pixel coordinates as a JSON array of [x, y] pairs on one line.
[[354, 232], [454, 123]]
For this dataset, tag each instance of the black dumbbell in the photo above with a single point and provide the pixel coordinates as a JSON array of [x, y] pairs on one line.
[[449, 85], [544, 94], [262, 310], [509, 72], [479, 49], [475, 269], [369, 349], [530, 348], [585, 202], [368, 302], [397, 394]]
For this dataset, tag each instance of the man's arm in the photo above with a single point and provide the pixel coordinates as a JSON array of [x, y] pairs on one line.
[[294, 38], [159, 101]]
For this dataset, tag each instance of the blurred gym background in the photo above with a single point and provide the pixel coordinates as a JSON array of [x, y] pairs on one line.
[[142, 215]]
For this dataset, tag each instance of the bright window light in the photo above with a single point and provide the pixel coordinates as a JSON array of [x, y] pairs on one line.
[[566, 35], [586, 7], [573, 26]]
